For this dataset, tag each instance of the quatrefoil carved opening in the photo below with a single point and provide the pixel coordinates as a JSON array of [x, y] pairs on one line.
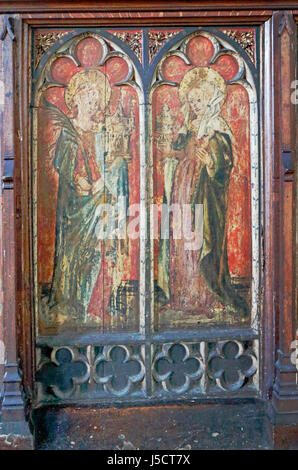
[[230, 365], [64, 372], [118, 370], [175, 368]]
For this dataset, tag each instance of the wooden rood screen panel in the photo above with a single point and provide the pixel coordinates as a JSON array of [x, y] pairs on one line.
[[145, 183]]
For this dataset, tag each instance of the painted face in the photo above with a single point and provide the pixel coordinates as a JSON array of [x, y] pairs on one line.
[[198, 99], [87, 100]]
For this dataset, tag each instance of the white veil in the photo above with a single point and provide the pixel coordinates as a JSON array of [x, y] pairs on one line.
[[212, 120]]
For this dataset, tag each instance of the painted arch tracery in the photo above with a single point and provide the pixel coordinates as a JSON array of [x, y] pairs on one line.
[[153, 117]]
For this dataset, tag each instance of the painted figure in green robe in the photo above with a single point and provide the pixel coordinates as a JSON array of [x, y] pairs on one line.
[[196, 170], [88, 188]]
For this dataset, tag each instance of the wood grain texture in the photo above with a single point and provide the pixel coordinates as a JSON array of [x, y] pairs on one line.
[[209, 426], [279, 196], [136, 5], [23, 181], [12, 406], [1, 171], [285, 396]]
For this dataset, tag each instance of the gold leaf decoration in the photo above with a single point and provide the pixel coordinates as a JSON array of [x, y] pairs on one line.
[[43, 42], [133, 40], [157, 39], [246, 39]]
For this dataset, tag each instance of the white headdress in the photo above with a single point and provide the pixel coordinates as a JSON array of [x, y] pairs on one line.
[[211, 120]]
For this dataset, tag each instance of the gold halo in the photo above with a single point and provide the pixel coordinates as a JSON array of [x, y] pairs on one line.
[[199, 75], [94, 77]]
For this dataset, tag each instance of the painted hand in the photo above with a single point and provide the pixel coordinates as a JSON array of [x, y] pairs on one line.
[[82, 186], [97, 186], [164, 147], [204, 156]]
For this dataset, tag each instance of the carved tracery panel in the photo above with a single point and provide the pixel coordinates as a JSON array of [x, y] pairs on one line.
[[145, 183]]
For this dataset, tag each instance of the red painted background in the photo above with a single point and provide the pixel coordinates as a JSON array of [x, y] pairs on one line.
[[236, 113], [89, 52]]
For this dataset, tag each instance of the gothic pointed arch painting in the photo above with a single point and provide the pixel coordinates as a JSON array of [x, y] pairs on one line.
[[86, 171], [145, 181], [205, 152]]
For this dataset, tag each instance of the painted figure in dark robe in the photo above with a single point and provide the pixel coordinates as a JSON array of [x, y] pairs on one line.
[[197, 167]]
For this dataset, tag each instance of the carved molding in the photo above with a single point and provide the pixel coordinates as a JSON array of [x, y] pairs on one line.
[[285, 22], [118, 369], [72, 373], [177, 366], [7, 29], [231, 364], [64, 371]]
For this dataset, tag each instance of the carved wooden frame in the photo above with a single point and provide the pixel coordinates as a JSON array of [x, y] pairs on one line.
[[279, 322]]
